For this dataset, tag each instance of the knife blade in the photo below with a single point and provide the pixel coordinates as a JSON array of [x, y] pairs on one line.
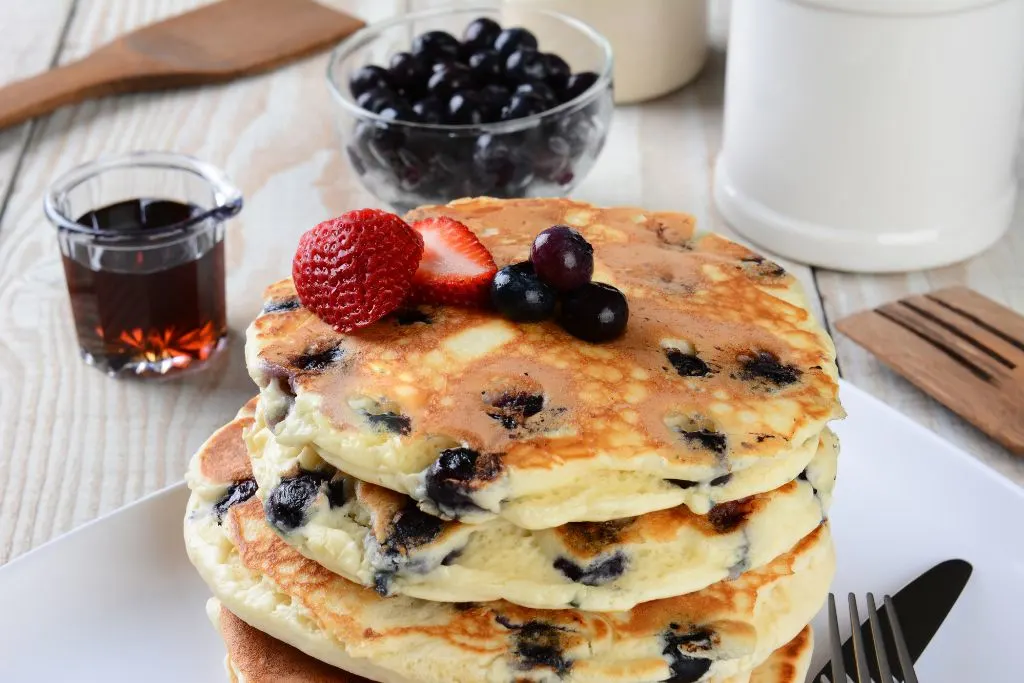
[[922, 606]]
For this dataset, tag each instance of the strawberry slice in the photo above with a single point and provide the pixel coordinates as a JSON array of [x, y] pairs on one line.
[[456, 269], [353, 270]]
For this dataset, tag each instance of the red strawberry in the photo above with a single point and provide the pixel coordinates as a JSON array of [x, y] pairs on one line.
[[456, 269], [353, 270]]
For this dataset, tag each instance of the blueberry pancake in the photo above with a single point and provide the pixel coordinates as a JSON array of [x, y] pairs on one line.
[[380, 538], [714, 634], [255, 657], [718, 389]]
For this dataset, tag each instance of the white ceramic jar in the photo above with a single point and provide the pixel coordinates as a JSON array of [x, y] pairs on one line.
[[872, 135], [659, 45]]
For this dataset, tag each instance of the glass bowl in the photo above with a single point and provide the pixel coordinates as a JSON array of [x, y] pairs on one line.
[[407, 164]]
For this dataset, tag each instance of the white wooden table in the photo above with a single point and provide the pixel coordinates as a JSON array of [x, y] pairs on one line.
[[75, 445]]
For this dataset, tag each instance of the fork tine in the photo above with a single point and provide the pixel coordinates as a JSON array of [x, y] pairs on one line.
[[901, 645], [838, 667], [876, 637], [859, 656]]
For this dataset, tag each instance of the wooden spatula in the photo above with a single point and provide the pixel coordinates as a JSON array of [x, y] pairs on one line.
[[218, 42], [963, 349]]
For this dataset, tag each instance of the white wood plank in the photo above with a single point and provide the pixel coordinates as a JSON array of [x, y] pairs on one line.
[[73, 443], [30, 33]]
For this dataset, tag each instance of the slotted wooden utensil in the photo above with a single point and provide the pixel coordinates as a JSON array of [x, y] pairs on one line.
[[218, 42], [962, 348]]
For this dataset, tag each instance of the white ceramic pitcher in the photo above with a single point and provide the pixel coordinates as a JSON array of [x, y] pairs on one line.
[[872, 135]]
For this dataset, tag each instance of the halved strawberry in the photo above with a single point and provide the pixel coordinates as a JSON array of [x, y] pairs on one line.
[[456, 269]]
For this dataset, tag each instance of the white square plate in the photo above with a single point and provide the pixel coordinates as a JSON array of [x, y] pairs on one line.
[[117, 600]]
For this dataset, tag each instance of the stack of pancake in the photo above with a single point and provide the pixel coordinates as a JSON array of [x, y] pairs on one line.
[[450, 497]]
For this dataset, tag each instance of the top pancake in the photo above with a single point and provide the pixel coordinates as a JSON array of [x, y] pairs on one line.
[[721, 369]]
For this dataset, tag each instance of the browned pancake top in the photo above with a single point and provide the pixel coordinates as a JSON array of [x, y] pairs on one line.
[[765, 357], [224, 457]]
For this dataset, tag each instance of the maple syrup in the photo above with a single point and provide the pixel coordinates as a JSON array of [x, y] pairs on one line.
[[155, 306]]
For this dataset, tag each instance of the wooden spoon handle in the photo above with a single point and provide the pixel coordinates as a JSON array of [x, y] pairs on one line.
[[95, 76]]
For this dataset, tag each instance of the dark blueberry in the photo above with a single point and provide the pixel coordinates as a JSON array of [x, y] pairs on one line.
[[512, 39], [367, 78], [382, 582], [513, 409], [552, 160], [486, 66], [481, 33], [390, 422], [408, 74], [520, 106], [377, 145], [767, 366], [282, 305], [540, 89], [409, 529], [684, 668], [687, 364], [705, 438], [578, 84], [539, 645], [377, 99], [465, 108], [595, 312], [726, 517], [239, 492], [595, 574], [318, 360], [562, 258], [518, 294], [446, 475], [722, 480], [436, 46], [430, 110], [558, 71], [336, 493], [450, 79], [523, 66], [398, 112], [576, 129], [411, 316], [451, 479], [762, 267], [493, 99], [501, 163], [287, 504], [495, 94]]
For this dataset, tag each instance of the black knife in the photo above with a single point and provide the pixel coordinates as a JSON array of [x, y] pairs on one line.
[[922, 606]]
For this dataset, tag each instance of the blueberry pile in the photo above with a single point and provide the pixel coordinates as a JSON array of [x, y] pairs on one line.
[[556, 281], [491, 75]]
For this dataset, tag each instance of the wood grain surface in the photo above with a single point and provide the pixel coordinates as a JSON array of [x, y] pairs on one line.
[[958, 346], [211, 44], [75, 444]]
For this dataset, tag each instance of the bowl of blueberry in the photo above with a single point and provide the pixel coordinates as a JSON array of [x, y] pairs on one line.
[[442, 104]]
